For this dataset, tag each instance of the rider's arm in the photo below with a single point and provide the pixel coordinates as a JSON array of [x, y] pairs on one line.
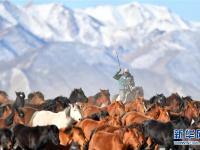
[[117, 76]]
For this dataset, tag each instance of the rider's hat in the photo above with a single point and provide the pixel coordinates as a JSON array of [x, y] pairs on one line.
[[126, 70]]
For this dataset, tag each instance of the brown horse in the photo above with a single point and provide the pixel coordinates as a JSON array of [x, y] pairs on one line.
[[155, 112], [159, 113], [88, 125], [116, 109], [28, 113], [74, 134], [120, 140], [136, 105], [102, 98]]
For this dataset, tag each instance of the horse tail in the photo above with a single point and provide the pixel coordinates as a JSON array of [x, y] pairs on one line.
[[30, 123], [10, 118]]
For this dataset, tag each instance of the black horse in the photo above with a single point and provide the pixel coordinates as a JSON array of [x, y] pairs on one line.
[[160, 133], [35, 138], [159, 98], [77, 95]]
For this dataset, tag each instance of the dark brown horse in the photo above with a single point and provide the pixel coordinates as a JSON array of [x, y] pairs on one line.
[[36, 98], [77, 95], [174, 103], [3, 97]]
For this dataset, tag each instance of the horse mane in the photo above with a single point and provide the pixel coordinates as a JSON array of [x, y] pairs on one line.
[[138, 126]]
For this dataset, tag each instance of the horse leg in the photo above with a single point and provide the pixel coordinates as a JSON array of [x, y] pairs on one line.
[[156, 147], [149, 143]]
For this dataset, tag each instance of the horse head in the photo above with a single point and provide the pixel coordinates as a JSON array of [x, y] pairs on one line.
[[3, 97], [164, 115], [191, 110], [116, 108], [102, 97], [75, 112], [20, 100], [36, 98], [105, 92], [159, 98], [20, 95], [77, 95]]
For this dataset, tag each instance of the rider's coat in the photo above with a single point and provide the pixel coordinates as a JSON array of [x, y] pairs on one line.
[[126, 83]]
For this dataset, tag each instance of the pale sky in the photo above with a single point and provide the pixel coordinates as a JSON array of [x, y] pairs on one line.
[[187, 9]]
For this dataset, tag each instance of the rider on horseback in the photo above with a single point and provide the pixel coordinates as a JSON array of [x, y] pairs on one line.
[[126, 83]]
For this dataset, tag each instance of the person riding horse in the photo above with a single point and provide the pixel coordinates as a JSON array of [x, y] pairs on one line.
[[126, 83]]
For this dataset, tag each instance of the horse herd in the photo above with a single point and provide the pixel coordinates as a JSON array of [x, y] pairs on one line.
[[94, 122]]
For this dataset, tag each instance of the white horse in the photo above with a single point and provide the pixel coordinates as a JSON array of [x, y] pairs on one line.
[[62, 119]]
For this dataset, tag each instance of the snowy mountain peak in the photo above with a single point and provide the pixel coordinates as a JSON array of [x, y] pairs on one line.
[[134, 14]]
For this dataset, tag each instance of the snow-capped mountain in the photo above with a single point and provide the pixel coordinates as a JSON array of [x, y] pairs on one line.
[[54, 49]]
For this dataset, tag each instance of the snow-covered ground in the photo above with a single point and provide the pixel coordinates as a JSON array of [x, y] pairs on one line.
[[55, 49]]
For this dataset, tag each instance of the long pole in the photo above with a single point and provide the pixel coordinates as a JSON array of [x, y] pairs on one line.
[[117, 59]]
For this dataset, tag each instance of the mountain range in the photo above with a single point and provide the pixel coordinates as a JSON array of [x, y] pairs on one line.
[[54, 49]]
